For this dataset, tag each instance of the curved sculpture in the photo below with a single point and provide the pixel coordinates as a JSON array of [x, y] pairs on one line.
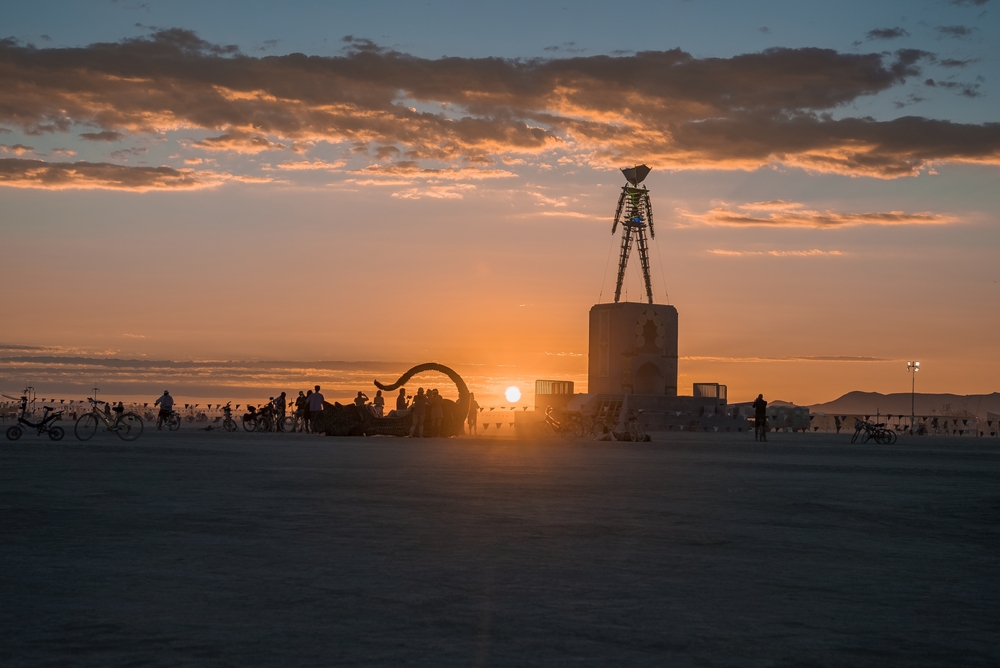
[[338, 420], [455, 412]]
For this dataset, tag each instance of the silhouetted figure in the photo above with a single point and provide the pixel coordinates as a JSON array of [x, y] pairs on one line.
[[315, 401], [836, 421], [401, 403], [760, 418], [473, 418], [307, 413], [361, 400], [436, 405], [166, 404], [280, 406], [419, 414], [299, 416], [378, 403]]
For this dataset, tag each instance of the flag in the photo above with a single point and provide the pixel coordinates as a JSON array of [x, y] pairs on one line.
[[498, 425]]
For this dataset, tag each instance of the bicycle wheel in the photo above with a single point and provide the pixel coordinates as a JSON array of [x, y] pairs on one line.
[[86, 427], [130, 427], [174, 423], [264, 424], [13, 433], [285, 424], [890, 436], [57, 433], [854, 439], [229, 424], [249, 423]]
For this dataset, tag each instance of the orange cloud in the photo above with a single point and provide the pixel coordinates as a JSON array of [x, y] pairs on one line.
[[814, 252], [20, 173], [666, 108], [791, 214]]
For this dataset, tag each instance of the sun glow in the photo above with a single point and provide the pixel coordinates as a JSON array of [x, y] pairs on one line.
[[512, 394]]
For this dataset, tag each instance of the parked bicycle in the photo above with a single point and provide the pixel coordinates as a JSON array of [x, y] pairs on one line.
[[228, 423], [867, 430], [128, 425], [266, 419], [251, 419], [45, 426]]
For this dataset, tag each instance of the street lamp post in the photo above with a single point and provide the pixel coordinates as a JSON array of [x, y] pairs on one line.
[[913, 368]]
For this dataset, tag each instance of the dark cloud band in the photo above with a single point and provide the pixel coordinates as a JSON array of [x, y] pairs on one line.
[[666, 108]]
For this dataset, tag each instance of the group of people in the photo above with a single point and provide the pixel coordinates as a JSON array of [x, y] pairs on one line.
[[427, 408], [303, 408]]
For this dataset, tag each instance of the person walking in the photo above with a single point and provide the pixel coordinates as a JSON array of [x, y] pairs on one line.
[[166, 404], [315, 405], [473, 418], [760, 418], [419, 412]]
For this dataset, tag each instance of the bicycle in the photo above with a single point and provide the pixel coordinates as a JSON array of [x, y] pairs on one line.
[[128, 426], [869, 431], [171, 420], [228, 423], [760, 429], [45, 426]]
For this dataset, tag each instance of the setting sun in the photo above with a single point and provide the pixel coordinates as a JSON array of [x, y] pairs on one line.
[[512, 394]]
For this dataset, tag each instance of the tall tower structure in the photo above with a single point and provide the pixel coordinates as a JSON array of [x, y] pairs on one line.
[[633, 345], [638, 215]]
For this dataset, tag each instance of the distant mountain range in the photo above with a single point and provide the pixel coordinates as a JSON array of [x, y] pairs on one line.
[[854, 403]]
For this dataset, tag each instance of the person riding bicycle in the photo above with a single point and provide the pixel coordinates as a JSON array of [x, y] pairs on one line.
[[166, 404], [760, 418], [551, 420]]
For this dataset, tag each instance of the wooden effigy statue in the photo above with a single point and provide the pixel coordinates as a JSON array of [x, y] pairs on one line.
[[340, 420]]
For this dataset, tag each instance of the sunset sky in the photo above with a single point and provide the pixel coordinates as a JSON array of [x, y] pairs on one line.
[[410, 182]]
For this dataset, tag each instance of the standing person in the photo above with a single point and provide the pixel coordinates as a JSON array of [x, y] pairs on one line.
[[760, 418], [280, 405], [299, 416], [315, 403], [401, 403], [166, 404], [436, 405], [473, 418], [419, 412], [379, 403], [307, 413]]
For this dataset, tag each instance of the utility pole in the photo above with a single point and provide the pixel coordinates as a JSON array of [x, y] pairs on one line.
[[913, 368]]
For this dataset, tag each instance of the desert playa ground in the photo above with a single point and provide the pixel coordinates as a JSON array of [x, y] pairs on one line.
[[244, 549]]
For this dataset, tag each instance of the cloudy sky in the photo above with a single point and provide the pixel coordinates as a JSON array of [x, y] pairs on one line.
[[406, 182]]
